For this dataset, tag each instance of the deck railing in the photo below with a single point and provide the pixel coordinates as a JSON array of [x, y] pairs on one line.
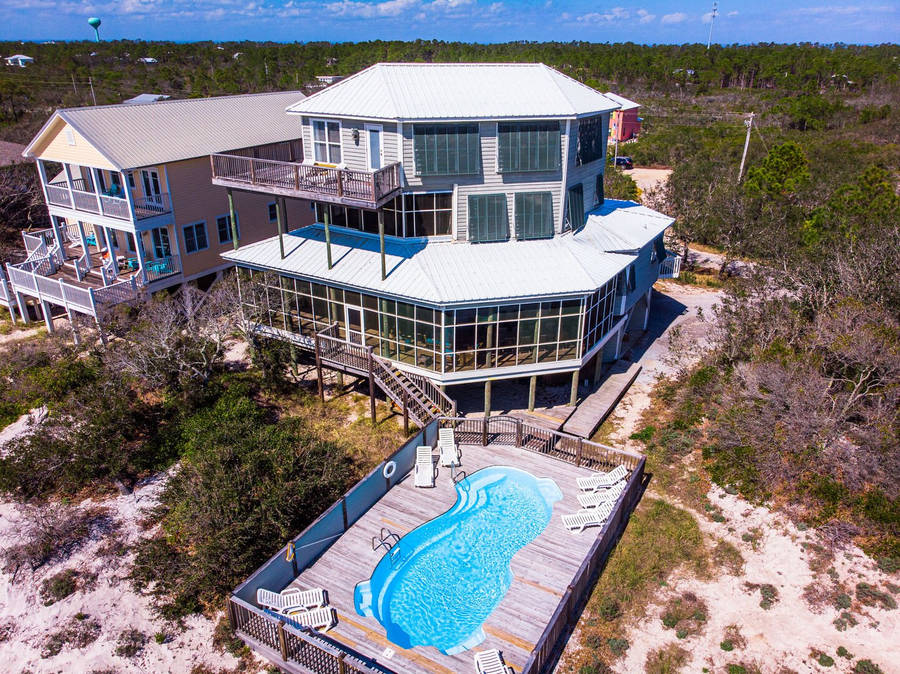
[[316, 181], [301, 651], [162, 267], [670, 267], [151, 206], [82, 198], [58, 195]]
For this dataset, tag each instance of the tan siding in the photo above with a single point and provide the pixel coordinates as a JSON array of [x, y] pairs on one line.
[[55, 147]]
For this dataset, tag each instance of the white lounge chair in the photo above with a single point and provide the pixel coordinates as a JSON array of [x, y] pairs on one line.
[[592, 499], [602, 480], [450, 454], [290, 599], [322, 619], [593, 517], [491, 662], [424, 470]]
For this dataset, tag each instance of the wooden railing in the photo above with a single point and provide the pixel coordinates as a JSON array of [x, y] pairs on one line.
[[310, 180], [82, 198], [123, 291], [440, 399]]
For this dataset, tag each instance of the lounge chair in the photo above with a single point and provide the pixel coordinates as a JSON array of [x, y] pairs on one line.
[[592, 499], [322, 619], [593, 517], [602, 480], [291, 599], [424, 471], [450, 454], [491, 662]]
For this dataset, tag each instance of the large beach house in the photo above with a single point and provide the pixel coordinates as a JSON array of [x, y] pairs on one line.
[[461, 230], [131, 204]]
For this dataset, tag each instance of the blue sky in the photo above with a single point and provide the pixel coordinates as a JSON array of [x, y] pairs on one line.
[[650, 21]]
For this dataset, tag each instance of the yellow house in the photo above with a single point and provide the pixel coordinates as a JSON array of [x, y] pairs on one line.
[[131, 203]]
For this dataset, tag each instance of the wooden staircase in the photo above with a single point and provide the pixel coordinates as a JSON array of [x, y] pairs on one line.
[[418, 395]]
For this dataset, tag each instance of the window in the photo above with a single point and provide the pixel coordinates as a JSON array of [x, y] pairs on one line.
[[161, 249], [273, 212], [659, 248], [131, 180], [575, 206], [488, 218], [446, 149], [590, 140], [327, 141], [129, 241], [598, 190], [70, 136], [223, 224], [113, 239], [534, 215], [528, 146], [195, 237], [428, 214]]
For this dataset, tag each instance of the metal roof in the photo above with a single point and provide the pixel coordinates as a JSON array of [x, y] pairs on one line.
[[134, 135], [455, 91], [624, 103], [625, 226], [447, 273]]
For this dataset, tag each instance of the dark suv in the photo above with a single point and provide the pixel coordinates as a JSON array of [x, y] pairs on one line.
[[624, 163]]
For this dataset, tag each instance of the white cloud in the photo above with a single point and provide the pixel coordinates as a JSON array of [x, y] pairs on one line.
[[450, 4], [645, 16], [677, 17], [370, 10], [733, 13], [615, 14], [706, 18]]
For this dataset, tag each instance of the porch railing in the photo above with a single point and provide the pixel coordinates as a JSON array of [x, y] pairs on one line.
[[670, 267], [150, 207], [86, 201], [162, 267], [81, 198], [58, 195], [308, 179]]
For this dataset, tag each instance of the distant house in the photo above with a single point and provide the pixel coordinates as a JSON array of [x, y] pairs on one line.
[[329, 79], [624, 123], [147, 59], [19, 60], [145, 98]]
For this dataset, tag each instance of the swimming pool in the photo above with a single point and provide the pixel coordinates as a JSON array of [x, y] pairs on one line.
[[441, 581]]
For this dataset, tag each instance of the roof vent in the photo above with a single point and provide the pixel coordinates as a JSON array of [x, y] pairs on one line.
[[70, 135]]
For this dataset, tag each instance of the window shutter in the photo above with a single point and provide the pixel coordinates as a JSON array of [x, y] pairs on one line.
[[488, 218], [590, 140], [599, 190], [528, 146], [534, 215], [660, 248], [575, 205], [446, 149]]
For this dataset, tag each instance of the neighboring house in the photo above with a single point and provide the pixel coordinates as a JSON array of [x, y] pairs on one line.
[[624, 123], [19, 60], [452, 235], [145, 98], [147, 59], [130, 199], [329, 79]]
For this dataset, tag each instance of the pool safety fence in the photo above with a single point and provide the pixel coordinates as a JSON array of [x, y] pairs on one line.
[[302, 650]]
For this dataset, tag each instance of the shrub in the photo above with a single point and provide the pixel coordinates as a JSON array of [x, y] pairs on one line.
[[726, 555], [609, 609], [617, 646], [645, 435], [160, 637], [867, 667], [79, 632], [844, 653], [825, 660], [872, 596], [58, 586], [130, 643], [726, 645], [225, 639], [667, 660], [842, 601]]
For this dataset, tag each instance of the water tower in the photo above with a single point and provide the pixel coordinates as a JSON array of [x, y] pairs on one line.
[[94, 23]]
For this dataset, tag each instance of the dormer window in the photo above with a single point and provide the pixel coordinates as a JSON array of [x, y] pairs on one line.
[[326, 141], [446, 149]]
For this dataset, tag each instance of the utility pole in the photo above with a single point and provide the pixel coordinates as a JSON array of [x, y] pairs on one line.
[[749, 124], [91, 82], [712, 18], [73, 84]]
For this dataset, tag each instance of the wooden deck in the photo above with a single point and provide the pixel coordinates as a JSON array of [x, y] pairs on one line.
[[594, 409], [542, 570]]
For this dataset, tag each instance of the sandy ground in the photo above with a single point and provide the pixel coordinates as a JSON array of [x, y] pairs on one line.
[[110, 599], [648, 178]]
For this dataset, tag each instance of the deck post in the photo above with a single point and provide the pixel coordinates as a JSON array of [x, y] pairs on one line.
[[573, 395], [518, 432], [487, 398], [84, 244], [579, 446], [23, 308], [598, 366], [319, 381], [342, 666], [326, 217], [232, 214], [279, 220], [371, 384], [405, 414], [281, 640], [48, 319], [647, 309], [340, 381], [142, 257], [381, 244], [54, 223], [532, 389]]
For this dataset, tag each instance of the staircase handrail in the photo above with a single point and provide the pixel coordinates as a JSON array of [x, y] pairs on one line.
[[385, 377], [439, 399]]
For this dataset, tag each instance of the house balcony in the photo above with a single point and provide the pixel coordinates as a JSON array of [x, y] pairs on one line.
[[358, 189], [82, 200], [670, 267]]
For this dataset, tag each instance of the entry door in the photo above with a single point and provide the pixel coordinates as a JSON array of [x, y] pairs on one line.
[[150, 179], [355, 330], [161, 247], [376, 151]]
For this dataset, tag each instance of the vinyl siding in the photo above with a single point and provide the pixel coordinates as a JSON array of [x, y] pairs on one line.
[[585, 174], [353, 155], [56, 148]]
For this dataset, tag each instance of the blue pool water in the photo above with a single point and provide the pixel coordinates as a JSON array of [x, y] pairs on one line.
[[441, 581]]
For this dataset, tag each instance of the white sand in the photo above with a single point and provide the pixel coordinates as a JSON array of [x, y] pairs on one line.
[[112, 601]]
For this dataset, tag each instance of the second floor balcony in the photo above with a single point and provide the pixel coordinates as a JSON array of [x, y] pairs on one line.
[[360, 189], [81, 196]]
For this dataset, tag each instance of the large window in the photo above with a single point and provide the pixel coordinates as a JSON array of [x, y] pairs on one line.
[[327, 141], [195, 237], [411, 215], [428, 214], [598, 315], [223, 225], [534, 215], [446, 149], [590, 140], [488, 218], [575, 206], [528, 146]]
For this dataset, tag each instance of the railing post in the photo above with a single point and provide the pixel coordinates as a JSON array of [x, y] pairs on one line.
[[578, 448], [340, 182], [484, 432], [321, 384], [252, 171], [403, 397], [518, 432], [282, 643], [342, 667], [369, 350], [296, 177]]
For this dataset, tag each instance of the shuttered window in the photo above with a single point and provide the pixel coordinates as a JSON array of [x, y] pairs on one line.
[[660, 248], [528, 146], [446, 149], [534, 215], [488, 218], [575, 206], [590, 140], [598, 192]]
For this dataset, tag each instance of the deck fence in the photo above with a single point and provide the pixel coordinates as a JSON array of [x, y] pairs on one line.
[[302, 651]]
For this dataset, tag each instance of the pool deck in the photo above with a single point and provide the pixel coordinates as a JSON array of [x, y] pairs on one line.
[[541, 571]]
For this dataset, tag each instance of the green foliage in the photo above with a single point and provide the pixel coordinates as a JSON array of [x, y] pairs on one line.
[[874, 113], [58, 586], [667, 660], [844, 653], [867, 667], [726, 645], [618, 185], [130, 643], [842, 601], [810, 112], [247, 483], [617, 646], [645, 434], [79, 632], [784, 170], [825, 660], [872, 596]]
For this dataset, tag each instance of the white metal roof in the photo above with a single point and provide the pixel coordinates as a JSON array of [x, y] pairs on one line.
[[134, 135], [455, 91], [624, 103], [445, 273], [625, 226]]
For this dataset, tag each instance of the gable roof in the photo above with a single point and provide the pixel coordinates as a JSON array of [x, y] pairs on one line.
[[456, 91], [134, 135], [624, 103]]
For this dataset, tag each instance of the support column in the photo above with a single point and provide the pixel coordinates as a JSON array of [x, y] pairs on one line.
[[598, 366], [142, 258], [371, 385], [573, 395], [487, 398], [620, 336], [532, 389], [23, 308], [279, 219], [232, 213], [48, 319], [647, 310], [84, 243], [54, 223], [381, 244], [326, 218]]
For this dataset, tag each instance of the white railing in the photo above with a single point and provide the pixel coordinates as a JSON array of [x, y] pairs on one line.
[[82, 267], [114, 207], [36, 242], [109, 269], [86, 201], [6, 295], [59, 195], [670, 267], [151, 206], [122, 291]]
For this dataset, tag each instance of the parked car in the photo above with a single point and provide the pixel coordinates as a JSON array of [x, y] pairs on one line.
[[624, 163]]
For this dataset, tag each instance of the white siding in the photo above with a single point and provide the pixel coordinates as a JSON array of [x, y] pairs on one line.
[[587, 173]]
